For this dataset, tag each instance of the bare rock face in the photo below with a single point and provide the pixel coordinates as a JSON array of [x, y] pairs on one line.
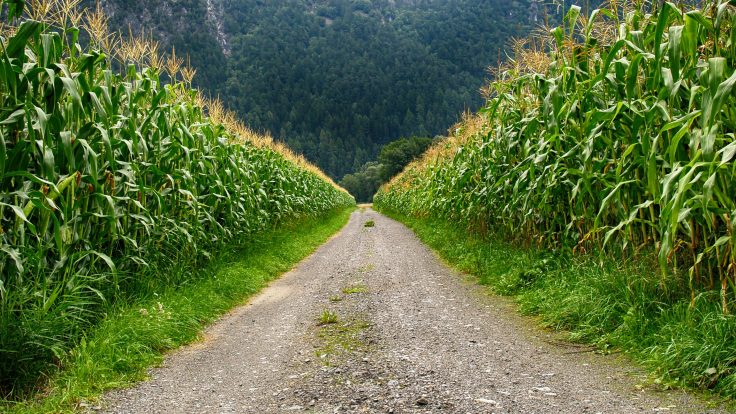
[[214, 17]]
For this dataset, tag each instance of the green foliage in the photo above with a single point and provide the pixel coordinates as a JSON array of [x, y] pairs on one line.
[[614, 135], [336, 79], [392, 158], [110, 183], [327, 317], [364, 183], [396, 155]]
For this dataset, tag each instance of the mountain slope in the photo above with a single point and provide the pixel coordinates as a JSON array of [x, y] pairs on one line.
[[335, 79]]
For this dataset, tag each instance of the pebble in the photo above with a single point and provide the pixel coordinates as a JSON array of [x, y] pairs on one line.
[[421, 401]]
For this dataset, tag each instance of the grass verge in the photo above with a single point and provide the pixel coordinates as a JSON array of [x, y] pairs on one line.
[[132, 338], [614, 304]]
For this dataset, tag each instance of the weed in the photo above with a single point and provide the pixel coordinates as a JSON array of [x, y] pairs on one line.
[[355, 289], [369, 223], [327, 317], [337, 338], [366, 268]]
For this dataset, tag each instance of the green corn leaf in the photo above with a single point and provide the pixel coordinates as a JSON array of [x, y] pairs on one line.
[[15, 256], [17, 44], [20, 214], [675, 50], [3, 156], [572, 18], [71, 87], [727, 153], [723, 91], [632, 76], [699, 17], [14, 117], [663, 20], [105, 258]]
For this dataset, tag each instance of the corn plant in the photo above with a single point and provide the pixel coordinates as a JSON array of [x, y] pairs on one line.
[[109, 178], [613, 132]]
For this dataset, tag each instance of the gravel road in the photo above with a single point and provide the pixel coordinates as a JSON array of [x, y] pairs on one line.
[[405, 335]]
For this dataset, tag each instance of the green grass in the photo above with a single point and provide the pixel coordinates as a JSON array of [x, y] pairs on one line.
[[349, 290], [327, 317], [612, 304], [134, 337], [341, 339]]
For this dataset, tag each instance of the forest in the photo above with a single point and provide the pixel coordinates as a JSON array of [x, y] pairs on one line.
[[337, 79]]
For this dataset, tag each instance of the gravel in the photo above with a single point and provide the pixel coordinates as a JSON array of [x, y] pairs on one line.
[[411, 336]]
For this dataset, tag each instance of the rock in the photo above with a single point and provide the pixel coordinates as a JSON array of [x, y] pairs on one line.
[[422, 401]]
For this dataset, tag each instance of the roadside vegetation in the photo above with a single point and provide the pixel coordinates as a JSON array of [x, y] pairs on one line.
[[392, 158], [118, 182], [597, 184]]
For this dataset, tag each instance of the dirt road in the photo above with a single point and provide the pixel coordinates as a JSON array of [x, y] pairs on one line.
[[374, 323]]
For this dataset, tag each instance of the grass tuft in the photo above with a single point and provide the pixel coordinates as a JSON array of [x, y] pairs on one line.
[[349, 290], [327, 317]]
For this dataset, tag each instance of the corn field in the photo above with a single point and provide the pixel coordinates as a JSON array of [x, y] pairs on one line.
[[613, 132], [109, 177]]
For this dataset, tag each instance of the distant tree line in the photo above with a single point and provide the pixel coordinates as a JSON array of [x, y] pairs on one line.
[[338, 79], [392, 159]]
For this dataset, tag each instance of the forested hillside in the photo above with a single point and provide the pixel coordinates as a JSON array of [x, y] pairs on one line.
[[336, 79]]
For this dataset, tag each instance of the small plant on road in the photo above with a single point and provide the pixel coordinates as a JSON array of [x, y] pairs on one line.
[[327, 317], [369, 223], [349, 290]]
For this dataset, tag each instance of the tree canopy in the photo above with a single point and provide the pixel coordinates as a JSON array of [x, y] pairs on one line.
[[337, 79]]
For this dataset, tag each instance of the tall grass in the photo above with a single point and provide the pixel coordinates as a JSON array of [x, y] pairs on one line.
[[110, 178], [611, 133]]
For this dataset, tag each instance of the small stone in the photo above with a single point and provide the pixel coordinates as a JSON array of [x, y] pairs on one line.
[[486, 401], [422, 401]]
